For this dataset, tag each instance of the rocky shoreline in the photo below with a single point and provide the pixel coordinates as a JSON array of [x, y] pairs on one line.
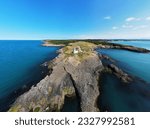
[[80, 72], [110, 67], [48, 44], [71, 74], [124, 47]]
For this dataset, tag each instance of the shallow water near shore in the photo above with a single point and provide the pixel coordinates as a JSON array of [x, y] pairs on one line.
[[142, 44], [137, 64], [116, 96], [20, 63], [20, 67]]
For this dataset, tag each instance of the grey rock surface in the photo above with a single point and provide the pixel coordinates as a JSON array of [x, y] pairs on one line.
[[119, 73], [67, 75]]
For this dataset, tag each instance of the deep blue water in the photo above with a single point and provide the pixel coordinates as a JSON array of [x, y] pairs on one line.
[[71, 105], [20, 64], [117, 96]]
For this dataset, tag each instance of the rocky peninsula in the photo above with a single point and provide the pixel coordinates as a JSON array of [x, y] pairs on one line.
[[71, 74], [76, 71]]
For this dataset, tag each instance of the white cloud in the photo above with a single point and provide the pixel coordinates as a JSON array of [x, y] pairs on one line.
[[129, 19], [107, 18], [140, 27], [127, 26], [134, 27], [127, 35], [114, 28], [148, 18], [139, 34]]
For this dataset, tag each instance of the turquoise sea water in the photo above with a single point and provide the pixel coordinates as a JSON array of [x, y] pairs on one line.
[[134, 63], [137, 64], [20, 65], [132, 97], [142, 44]]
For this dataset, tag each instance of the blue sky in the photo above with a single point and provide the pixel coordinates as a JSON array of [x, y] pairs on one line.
[[71, 19]]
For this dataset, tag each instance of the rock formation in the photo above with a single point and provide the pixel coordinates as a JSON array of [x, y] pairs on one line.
[[125, 47], [72, 74], [119, 73], [69, 72]]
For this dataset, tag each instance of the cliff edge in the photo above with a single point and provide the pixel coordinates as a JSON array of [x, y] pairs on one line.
[[75, 71]]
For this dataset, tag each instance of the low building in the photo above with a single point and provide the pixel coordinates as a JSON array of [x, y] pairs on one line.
[[77, 50]]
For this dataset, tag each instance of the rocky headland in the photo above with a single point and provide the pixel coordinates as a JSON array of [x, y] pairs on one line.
[[71, 74], [75, 71], [124, 47]]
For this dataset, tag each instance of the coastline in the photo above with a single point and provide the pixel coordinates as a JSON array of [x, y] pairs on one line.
[[104, 44], [59, 66], [5, 105], [34, 70], [49, 94], [48, 44], [51, 45]]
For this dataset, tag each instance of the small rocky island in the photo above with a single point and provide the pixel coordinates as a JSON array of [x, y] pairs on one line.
[[75, 71]]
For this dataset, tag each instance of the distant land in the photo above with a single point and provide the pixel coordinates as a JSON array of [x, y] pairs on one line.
[[77, 39], [75, 72]]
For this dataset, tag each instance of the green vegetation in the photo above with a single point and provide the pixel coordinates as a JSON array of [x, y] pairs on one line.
[[15, 108], [68, 90], [67, 42], [94, 41], [37, 109], [86, 49], [60, 42], [103, 42]]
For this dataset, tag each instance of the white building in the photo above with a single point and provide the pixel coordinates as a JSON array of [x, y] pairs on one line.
[[75, 51]]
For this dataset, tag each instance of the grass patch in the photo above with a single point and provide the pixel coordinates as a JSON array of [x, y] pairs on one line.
[[86, 49], [37, 109]]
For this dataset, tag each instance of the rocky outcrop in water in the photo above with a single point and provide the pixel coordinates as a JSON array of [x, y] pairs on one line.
[[110, 67], [70, 74], [124, 47], [102, 56], [119, 73]]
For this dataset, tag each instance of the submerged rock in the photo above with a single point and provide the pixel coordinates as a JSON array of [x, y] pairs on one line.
[[111, 68]]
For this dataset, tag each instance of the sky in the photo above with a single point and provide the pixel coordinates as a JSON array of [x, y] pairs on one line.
[[74, 19]]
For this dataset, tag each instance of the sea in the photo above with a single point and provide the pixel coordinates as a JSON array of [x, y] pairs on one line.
[[21, 67], [132, 97]]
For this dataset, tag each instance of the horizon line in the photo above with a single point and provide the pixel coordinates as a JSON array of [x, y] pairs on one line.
[[85, 39]]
